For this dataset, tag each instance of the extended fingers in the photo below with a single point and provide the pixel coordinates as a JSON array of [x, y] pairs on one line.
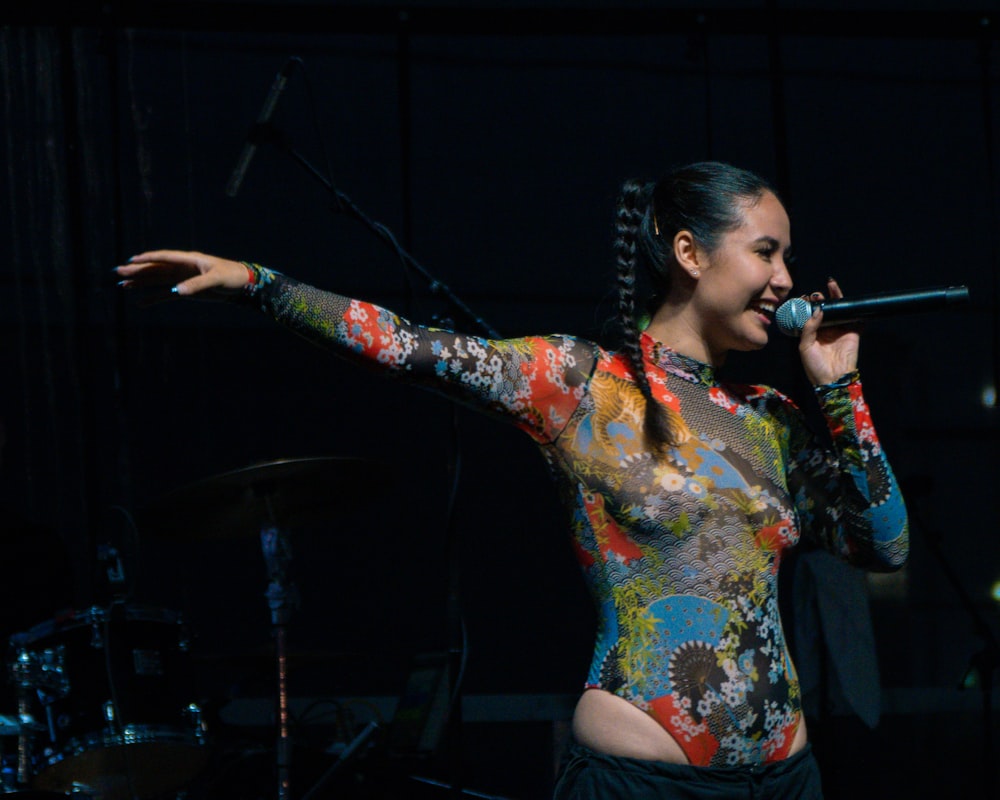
[[165, 262], [150, 274], [179, 257], [199, 283], [185, 272]]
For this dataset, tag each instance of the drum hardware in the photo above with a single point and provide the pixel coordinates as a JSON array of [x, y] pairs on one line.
[[11, 726], [111, 686], [10, 777], [266, 500], [23, 742], [114, 569], [280, 592]]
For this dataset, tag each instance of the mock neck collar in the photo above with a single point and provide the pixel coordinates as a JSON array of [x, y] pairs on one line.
[[669, 360]]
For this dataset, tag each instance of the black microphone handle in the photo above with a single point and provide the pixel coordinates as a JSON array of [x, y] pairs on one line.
[[792, 315], [851, 310]]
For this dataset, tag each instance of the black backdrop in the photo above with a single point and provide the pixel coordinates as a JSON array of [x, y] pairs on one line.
[[492, 142]]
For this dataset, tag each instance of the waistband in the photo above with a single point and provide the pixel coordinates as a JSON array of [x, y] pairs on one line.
[[737, 773]]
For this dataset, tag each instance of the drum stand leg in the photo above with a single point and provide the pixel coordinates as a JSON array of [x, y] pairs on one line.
[[23, 740], [280, 596]]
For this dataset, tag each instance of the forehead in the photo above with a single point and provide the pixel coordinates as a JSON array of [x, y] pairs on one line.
[[766, 218]]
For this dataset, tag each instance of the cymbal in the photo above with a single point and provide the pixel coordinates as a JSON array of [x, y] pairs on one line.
[[285, 493]]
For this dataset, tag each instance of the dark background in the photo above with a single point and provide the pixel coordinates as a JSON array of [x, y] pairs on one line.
[[491, 140]]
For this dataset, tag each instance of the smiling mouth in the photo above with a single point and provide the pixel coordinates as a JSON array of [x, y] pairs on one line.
[[765, 309]]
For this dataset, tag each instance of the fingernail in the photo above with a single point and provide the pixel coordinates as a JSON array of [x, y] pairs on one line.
[[830, 279], [173, 290], [130, 259]]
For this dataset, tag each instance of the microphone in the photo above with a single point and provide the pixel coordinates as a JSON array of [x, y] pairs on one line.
[[254, 135], [792, 315]]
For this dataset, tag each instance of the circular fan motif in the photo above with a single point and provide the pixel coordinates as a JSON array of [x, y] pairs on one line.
[[694, 670]]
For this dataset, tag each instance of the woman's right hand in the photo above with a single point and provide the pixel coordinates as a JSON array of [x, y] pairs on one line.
[[183, 273]]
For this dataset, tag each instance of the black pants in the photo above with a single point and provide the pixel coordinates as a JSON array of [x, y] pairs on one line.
[[592, 776]]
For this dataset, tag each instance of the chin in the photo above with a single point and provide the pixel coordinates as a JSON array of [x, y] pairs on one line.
[[749, 345]]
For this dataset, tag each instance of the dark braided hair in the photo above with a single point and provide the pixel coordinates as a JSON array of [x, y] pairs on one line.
[[707, 199]]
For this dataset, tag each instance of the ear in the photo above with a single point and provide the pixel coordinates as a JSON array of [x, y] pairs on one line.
[[688, 254]]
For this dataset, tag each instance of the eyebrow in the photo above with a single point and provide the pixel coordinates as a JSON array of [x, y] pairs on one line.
[[772, 242]]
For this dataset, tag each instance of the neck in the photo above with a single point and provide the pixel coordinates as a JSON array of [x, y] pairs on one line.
[[674, 325]]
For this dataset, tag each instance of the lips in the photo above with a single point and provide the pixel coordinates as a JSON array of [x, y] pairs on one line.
[[764, 308]]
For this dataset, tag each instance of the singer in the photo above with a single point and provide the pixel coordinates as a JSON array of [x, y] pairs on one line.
[[682, 491]]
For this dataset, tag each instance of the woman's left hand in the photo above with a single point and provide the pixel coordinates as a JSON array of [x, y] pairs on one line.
[[828, 353]]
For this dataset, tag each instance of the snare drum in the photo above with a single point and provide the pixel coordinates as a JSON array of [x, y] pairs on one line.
[[110, 696]]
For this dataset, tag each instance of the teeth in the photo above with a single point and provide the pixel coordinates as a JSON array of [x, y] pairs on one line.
[[767, 308]]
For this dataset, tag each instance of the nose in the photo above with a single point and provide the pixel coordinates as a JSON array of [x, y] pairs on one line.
[[781, 280]]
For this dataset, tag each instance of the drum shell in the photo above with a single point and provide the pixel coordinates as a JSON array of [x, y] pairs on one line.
[[112, 695]]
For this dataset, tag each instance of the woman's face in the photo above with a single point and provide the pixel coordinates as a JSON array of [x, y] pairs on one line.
[[744, 279]]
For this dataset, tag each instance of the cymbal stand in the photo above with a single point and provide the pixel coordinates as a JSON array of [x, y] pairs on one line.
[[24, 738], [267, 133], [280, 597]]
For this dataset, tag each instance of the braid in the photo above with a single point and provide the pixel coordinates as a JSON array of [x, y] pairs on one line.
[[632, 215], [708, 200]]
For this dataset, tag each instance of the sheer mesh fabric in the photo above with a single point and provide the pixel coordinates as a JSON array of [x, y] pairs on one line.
[[680, 551]]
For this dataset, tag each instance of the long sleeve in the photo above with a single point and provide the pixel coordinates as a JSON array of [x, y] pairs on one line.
[[536, 382], [848, 499]]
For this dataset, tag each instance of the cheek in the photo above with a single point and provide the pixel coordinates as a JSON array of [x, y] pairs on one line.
[[757, 277], [744, 278], [722, 301]]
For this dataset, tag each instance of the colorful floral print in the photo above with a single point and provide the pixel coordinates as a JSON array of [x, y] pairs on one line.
[[680, 551]]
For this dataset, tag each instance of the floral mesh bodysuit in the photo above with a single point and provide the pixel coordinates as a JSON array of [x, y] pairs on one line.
[[680, 552]]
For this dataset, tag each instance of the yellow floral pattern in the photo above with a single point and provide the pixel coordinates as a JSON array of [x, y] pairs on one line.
[[680, 550]]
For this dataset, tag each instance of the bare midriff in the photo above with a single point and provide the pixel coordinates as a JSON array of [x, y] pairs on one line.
[[606, 723]]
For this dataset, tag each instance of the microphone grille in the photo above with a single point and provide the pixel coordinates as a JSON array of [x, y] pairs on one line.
[[792, 316]]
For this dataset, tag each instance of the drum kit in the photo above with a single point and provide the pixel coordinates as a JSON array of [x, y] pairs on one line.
[[106, 699]]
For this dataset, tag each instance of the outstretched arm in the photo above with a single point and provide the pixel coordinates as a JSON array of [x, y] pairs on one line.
[[535, 381]]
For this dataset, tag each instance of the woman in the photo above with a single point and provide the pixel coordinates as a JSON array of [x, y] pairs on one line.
[[682, 490]]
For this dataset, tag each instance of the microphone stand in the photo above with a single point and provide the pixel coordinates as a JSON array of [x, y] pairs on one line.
[[266, 133], [349, 753]]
